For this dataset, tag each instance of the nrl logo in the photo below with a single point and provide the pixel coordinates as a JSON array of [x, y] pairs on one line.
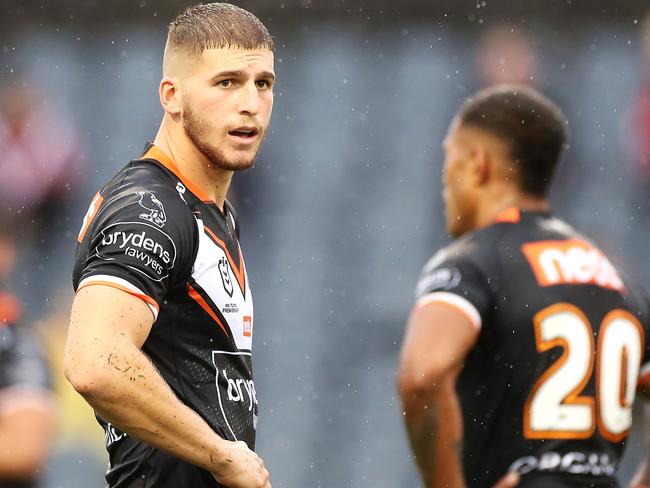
[[155, 207], [224, 270]]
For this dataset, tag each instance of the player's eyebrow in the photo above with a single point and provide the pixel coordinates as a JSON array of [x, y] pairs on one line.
[[269, 75]]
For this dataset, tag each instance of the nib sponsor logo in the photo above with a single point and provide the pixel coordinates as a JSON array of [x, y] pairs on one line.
[[151, 248]]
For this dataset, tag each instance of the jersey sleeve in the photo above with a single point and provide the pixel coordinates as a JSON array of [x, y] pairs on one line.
[[458, 281], [143, 242]]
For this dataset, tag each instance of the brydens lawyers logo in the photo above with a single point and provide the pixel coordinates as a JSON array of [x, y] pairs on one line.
[[248, 326]]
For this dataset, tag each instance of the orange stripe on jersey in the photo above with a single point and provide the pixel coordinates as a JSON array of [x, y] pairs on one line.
[[510, 215], [141, 296], [90, 215], [239, 271], [158, 154], [571, 262], [204, 305]]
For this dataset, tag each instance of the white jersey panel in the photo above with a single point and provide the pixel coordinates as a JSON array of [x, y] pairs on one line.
[[214, 273]]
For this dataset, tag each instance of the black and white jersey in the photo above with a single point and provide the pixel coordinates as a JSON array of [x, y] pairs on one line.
[[25, 380], [151, 233], [549, 385]]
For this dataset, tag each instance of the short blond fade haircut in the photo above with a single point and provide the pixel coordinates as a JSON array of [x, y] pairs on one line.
[[216, 26]]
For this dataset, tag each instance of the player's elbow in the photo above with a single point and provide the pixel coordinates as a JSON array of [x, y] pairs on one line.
[[77, 375], [84, 374], [418, 382]]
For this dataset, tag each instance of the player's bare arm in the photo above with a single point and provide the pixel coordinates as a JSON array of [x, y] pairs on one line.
[[28, 416], [104, 363], [438, 337]]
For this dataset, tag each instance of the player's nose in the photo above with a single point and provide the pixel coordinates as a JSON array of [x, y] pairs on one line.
[[249, 99]]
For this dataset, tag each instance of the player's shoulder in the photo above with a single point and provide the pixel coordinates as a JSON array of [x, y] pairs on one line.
[[488, 248], [463, 257], [477, 246], [140, 175], [145, 188]]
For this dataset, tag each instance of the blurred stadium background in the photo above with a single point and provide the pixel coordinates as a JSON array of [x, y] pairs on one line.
[[344, 206]]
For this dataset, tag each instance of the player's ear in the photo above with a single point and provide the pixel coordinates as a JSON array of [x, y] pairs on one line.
[[170, 96], [480, 165]]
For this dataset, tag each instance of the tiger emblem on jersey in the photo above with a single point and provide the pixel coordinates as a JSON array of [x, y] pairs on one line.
[[155, 207]]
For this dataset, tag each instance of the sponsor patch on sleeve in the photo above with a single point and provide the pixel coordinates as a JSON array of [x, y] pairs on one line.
[[439, 279], [140, 246]]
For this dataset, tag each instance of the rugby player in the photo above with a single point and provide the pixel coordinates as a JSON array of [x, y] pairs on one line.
[[523, 349], [27, 403], [161, 328]]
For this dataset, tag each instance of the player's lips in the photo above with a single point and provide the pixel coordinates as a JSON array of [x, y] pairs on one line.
[[244, 134]]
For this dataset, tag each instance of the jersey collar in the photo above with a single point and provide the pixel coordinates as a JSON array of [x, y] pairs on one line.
[[511, 215], [154, 152]]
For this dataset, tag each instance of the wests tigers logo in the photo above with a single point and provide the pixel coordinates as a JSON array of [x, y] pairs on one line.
[[155, 207]]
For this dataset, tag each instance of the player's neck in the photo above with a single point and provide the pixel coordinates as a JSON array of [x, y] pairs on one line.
[[493, 205], [192, 164]]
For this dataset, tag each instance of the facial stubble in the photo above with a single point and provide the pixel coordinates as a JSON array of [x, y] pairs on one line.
[[197, 129]]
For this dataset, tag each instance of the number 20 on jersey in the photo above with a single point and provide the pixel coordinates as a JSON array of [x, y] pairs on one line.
[[556, 408]]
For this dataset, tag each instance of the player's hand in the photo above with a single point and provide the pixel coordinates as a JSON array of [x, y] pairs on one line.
[[242, 468], [509, 480]]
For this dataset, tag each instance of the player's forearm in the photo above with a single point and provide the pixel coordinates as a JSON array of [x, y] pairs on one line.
[[124, 388], [434, 428]]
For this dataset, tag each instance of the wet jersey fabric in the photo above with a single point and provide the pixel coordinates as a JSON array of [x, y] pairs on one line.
[[151, 233], [23, 367], [547, 388]]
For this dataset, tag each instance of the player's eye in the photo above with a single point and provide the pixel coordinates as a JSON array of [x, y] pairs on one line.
[[262, 83], [225, 83]]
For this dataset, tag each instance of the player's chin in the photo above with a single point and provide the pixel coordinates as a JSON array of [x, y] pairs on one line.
[[240, 162]]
